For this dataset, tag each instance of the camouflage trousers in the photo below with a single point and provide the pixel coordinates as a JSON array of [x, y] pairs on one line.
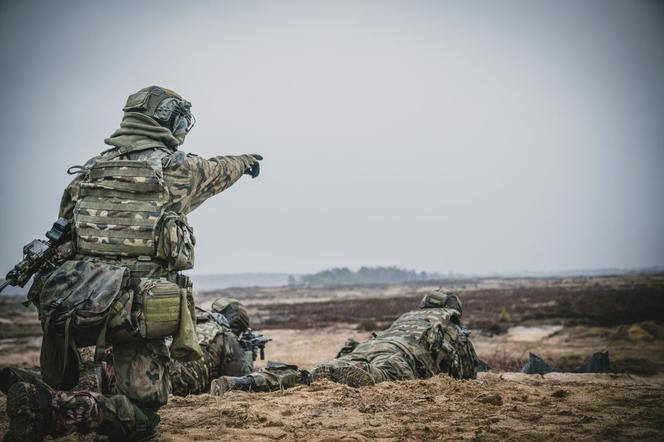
[[140, 369], [278, 376], [383, 361], [223, 356], [134, 387], [138, 378], [111, 415]]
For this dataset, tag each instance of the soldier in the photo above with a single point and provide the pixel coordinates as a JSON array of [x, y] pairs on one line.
[[419, 344], [218, 332], [128, 208], [223, 355]]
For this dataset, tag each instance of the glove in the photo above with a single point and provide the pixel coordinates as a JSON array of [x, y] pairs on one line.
[[255, 168]]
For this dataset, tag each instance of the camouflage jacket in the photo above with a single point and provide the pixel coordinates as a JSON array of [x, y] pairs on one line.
[[431, 336], [189, 178]]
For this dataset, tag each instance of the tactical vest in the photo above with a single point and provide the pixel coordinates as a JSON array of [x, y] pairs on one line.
[[121, 204], [424, 335]]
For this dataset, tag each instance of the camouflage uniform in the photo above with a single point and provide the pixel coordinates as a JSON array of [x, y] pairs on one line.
[[419, 344], [222, 356], [140, 365]]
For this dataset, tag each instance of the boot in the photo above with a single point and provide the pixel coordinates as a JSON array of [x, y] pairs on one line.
[[223, 384], [304, 377], [10, 376], [29, 410], [348, 374]]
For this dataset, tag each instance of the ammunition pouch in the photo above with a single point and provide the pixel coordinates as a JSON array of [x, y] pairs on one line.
[[157, 308], [176, 242], [163, 308]]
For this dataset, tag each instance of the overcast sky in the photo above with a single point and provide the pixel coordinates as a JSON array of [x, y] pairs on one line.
[[477, 136]]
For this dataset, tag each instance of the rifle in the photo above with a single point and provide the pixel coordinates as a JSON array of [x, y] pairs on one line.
[[253, 342], [41, 255]]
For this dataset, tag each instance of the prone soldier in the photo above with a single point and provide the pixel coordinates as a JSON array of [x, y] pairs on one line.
[[219, 333], [419, 344]]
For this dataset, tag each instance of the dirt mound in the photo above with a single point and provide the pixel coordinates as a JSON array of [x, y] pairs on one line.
[[511, 407]]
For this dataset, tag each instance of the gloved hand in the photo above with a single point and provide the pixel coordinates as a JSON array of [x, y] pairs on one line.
[[255, 168]]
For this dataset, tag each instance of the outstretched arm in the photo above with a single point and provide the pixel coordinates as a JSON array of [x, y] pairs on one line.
[[193, 179]]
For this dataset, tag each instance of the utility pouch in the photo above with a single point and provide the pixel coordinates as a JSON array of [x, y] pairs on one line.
[[185, 346], [158, 307], [176, 242], [186, 284]]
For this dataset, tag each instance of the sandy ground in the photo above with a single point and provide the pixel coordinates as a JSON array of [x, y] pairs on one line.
[[495, 406], [504, 405], [508, 406], [499, 405]]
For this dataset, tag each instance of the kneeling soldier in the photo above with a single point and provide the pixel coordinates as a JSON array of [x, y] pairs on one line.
[[121, 284], [218, 332]]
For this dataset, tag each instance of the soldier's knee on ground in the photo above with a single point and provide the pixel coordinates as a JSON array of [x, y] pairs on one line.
[[141, 371]]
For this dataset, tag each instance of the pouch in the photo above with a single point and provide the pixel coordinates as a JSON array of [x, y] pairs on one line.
[[176, 242], [157, 307], [185, 345]]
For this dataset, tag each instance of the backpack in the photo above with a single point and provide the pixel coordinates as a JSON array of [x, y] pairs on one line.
[[75, 303]]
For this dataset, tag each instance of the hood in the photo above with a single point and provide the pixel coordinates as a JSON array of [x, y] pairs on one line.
[[138, 131]]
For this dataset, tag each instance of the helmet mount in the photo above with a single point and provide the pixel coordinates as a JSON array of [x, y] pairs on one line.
[[166, 107]]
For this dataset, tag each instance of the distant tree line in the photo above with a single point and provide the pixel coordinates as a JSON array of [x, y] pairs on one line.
[[365, 275]]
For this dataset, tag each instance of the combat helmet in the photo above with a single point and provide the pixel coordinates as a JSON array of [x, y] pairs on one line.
[[236, 313], [440, 299], [166, 107]]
